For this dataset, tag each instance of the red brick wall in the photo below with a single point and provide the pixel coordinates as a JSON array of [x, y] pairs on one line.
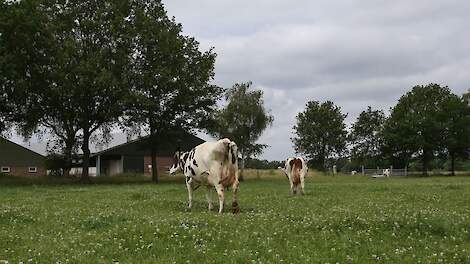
[[163, 165], [24, 171]]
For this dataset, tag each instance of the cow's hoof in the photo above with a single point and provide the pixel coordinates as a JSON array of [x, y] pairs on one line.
[[235, 208]]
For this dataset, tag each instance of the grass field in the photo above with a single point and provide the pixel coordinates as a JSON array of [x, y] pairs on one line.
[[341, 219]]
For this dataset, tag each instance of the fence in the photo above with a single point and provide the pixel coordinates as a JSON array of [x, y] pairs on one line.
[[405, 172], [379, 171]]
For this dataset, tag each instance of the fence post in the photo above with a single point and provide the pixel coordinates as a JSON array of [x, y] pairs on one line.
[[391, 170], [406, 171], [362, 169]]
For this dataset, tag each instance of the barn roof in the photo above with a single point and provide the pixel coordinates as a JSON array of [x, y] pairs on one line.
[[12, 154], [165, 146]]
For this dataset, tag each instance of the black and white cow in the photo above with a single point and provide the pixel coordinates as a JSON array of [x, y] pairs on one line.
[[213, 165], [296, 170]]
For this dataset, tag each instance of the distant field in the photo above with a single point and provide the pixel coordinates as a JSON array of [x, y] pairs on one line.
[[341, 219]]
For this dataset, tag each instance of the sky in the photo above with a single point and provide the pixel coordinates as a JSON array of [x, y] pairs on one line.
[[354, 53]]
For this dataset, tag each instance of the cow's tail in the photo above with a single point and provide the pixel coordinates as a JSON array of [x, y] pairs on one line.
[[296, 167], [230, 167], [233, 153]]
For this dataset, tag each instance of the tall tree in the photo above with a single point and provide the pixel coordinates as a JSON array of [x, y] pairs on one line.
[[33, 65], [72, 69], [320, 132], [5, 113], [414, 127], [456, 120], [466, 97], [243, 120], [20, 38], [170, 77], [99, 41], [365, 137]]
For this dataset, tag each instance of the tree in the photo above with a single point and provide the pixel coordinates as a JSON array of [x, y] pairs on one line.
[[365, 137], [414, 127], [170, 77], [466, 97], [456, 120], [72, 66], [33, 63], [5, 112], [320, 132], [19, 34], [243, 120]]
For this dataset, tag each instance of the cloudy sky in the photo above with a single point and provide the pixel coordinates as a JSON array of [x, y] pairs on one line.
[[355, 53]]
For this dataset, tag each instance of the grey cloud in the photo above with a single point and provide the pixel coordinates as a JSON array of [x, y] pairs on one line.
[[355, 53]]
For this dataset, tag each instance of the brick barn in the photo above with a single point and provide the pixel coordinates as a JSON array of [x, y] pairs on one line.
[[20, 161], [134, 156]]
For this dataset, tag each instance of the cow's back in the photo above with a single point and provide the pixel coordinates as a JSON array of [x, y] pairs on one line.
[[219, 159], [296, 166]]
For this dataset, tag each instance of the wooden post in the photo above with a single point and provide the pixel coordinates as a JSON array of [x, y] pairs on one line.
[[98, 165]]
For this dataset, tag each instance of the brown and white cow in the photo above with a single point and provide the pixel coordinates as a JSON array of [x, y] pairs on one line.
[[213, 165], [296, 170]]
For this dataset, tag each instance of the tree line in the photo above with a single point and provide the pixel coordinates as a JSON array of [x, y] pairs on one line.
[[76, 70], [428, 123]]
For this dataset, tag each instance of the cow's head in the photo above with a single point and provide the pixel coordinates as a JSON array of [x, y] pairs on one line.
[[176, 163], [284, 169]]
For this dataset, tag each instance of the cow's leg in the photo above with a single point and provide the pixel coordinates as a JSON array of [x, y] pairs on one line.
[[302, 185], [208, 197], [293, 188], [220, 192], [235, 206], [190, 193]]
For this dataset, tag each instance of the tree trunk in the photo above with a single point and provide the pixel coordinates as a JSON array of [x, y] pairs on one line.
[[85, 178], [321, 158], [153, 154], [154, 165], [425, 163], [68, 160], [452, 164]]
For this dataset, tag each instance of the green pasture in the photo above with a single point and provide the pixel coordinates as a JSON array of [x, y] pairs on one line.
[[341, 219]]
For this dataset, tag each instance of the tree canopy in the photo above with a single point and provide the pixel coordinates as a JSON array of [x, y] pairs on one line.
[[455, 119], [243, 120], [414, 128], [170, 77], [320, 132], [365, 138]]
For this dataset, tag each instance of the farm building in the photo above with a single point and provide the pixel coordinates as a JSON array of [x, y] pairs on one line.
[[18, 160], [135, 156]]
